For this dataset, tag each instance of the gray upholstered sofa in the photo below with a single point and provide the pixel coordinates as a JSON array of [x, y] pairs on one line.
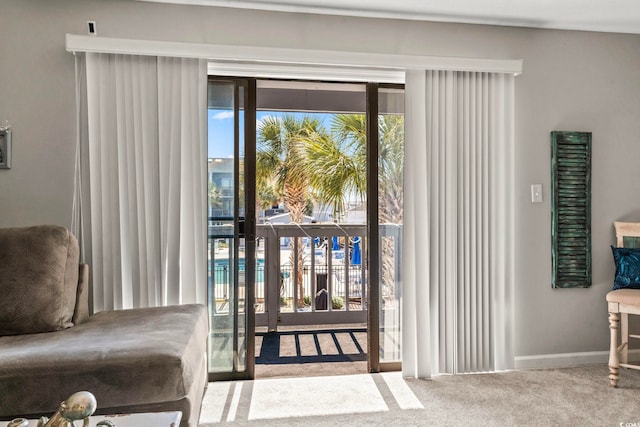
[[139, 360]]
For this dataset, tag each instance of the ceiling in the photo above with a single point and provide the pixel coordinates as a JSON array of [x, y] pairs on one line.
[[621, 16]]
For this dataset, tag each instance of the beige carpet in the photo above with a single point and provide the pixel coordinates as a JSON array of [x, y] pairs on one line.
[[555, 397]]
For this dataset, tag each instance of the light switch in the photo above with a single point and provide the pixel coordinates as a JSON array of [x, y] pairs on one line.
[[536, 193]]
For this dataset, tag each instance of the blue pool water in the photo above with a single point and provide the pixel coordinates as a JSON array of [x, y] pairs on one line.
[[222, 266]]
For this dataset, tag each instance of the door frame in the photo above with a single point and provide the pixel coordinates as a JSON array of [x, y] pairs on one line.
[[373, 238], [248, 229]]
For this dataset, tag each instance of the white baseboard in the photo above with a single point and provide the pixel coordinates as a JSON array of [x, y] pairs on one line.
[[567, 360]]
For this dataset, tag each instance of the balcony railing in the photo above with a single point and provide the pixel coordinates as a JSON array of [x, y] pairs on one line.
[[305, 273]]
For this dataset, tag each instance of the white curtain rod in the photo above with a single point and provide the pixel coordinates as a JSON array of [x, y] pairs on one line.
[[392, 62]]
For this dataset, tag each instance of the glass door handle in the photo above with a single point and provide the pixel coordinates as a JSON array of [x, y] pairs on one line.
[[244, 230]]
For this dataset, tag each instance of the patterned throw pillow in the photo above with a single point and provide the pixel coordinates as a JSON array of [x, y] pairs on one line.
[[627, 262]]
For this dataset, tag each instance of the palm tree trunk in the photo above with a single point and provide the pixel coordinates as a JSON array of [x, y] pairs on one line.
[[390, 213], [295, 197]]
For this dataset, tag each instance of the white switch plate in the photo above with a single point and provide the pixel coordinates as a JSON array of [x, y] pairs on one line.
[[536, 193]]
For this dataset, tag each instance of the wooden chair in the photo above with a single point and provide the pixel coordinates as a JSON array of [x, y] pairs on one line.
[[622, 303]]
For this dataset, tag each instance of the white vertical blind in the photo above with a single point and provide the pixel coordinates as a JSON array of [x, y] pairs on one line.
[[459, 177], [182, 109], [417, 305], [147, 171]]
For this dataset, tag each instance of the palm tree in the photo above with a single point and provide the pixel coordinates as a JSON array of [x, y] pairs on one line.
[[337, 162], [281, 162], [281, 159], [338, 167], [267, 196], [297, 157], [391, 167], [390, 189]]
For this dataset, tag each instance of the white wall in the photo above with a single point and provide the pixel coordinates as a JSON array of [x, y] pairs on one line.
[[571, 81]]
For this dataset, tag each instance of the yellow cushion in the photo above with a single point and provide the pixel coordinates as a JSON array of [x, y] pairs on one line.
[[625, 296]]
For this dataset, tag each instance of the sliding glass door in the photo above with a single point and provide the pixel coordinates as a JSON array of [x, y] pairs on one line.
[[373, 140], [385, 166], [231, 227], [390, 169]]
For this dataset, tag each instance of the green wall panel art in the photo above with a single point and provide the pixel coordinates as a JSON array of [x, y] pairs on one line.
[[571, 209]]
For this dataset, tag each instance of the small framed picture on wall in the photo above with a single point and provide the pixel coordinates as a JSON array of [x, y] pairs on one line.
[[5, 149]]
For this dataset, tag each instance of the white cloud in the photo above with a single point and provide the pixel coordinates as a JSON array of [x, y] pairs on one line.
[[223, 115]]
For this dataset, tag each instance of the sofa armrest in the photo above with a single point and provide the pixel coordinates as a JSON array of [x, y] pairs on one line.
[[81, 311]]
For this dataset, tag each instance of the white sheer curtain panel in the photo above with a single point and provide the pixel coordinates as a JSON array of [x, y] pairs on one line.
[[182, 109], [146, 121], [458, 242]]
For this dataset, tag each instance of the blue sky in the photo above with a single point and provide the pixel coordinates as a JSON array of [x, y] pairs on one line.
[[220, 139]]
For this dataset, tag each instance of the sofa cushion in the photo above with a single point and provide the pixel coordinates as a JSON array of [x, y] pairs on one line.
[[38, 279], [125, 358]]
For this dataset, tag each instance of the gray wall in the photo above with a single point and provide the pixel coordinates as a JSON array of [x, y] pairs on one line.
[[571, 81]]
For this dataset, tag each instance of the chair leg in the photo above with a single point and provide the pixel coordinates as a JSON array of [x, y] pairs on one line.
[[614, 366], [624, 337]]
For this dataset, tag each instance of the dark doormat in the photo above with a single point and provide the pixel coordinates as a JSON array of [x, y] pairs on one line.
[[326, 351]]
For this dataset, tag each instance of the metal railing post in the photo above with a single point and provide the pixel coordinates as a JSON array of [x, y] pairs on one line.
[[273, 280], [296, 273], [313, 281]]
